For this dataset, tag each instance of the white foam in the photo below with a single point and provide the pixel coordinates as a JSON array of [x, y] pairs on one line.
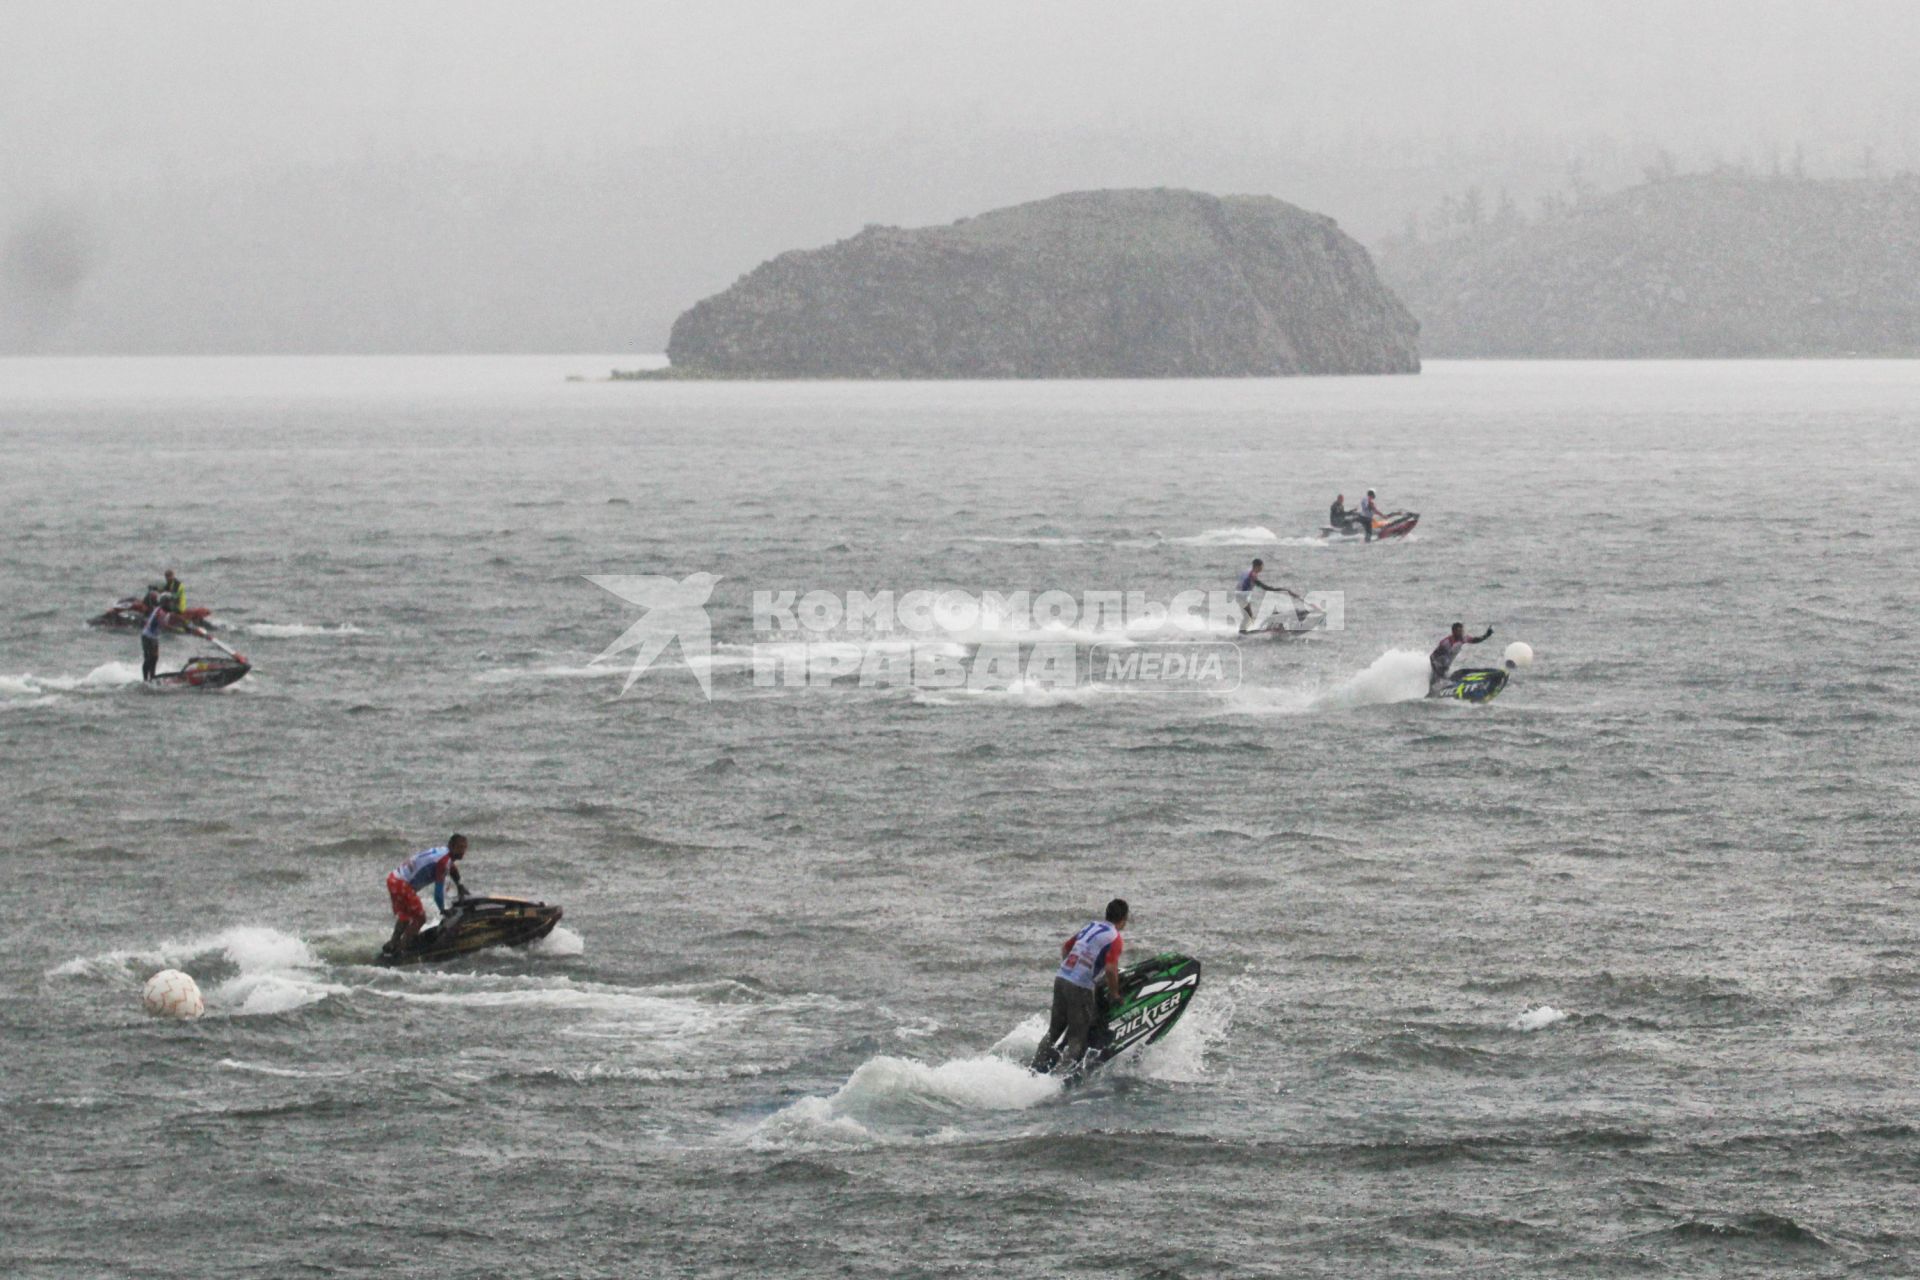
[[1244, 535], [294, 630], [1398, 675], [560, 943], [630, 1014], [290, 1073], [1536, 1017], [1180, 1056], [277, 972], [106, 676], [1018, 693], [906, 1092]]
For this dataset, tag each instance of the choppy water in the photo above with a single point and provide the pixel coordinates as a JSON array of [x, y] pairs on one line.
[[1615, 975]]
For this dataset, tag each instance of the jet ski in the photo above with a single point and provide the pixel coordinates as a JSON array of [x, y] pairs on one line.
[[473, 924], [1153, 995], [1395, 524], [131, 614], [1474, 684], [1279, 628], [208, 671]]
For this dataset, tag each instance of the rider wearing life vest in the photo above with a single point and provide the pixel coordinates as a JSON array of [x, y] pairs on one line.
[[1369, 514], [172, 594], [1084, 959], [1243, 593], [1441, 659], [427, 867]]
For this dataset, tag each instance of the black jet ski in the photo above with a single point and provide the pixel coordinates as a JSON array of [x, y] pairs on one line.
[[1154, 993], [1475, 684], [474, 924], [131, 615], [1395, 524], [208, 671]]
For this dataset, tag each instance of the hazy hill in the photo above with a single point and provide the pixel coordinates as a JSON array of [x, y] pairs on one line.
[[1722, 264]]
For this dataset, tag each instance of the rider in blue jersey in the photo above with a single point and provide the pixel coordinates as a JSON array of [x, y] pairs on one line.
[[417, 871], [1243, 593], [1087, 956]]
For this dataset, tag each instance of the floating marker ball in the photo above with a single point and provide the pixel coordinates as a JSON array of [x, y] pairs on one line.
[[172, 994], [1520, 653]]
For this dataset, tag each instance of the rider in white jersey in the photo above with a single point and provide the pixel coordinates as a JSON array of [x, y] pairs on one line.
[[1369, 513], [1084, 958]]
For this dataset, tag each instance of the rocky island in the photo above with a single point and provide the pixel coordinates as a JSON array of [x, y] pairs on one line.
[[1098, 284]]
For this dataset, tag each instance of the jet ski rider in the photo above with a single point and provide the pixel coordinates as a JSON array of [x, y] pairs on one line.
[[1369, 514], [150, 641], [1243, 593], [429, 866], [1339, 518], [1441, 659], [1083, 958], [172, 594]]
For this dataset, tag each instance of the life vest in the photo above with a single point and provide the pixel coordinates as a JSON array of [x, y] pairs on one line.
[[423, 868], [1088, 955]]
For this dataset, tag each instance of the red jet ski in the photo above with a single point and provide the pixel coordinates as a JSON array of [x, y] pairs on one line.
[[1395, 524], [205, 671], [208, 671], [131, 614]]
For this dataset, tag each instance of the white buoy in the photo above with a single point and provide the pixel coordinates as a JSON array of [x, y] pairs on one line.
[[173, 994], [1519, 654]]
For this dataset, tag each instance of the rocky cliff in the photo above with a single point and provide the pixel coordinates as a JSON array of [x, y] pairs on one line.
[[1099, 284], [1723, 264]]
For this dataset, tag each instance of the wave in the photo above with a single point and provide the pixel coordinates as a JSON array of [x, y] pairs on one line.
[[888, 1092], [560, 944], [106, 677], [295, 630], [265, 971], [1019, 693], [890, 1097], [23, 703], [1536, 1017], [1247, 535], [1398, 675], [253, 970]]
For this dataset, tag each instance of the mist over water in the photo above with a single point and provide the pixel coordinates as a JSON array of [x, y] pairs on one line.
[[1612, 975]]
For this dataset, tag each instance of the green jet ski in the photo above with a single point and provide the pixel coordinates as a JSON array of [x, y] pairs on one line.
[[1153, 995]]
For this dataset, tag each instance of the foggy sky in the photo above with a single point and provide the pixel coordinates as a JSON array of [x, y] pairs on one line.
[[432, 176]]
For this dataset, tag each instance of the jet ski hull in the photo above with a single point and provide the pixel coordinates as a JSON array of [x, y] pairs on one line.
[[477, 924], [204, 673], [130, 615], [1397, 525], [1154, 994], [1475, 684], [1279, 629]]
